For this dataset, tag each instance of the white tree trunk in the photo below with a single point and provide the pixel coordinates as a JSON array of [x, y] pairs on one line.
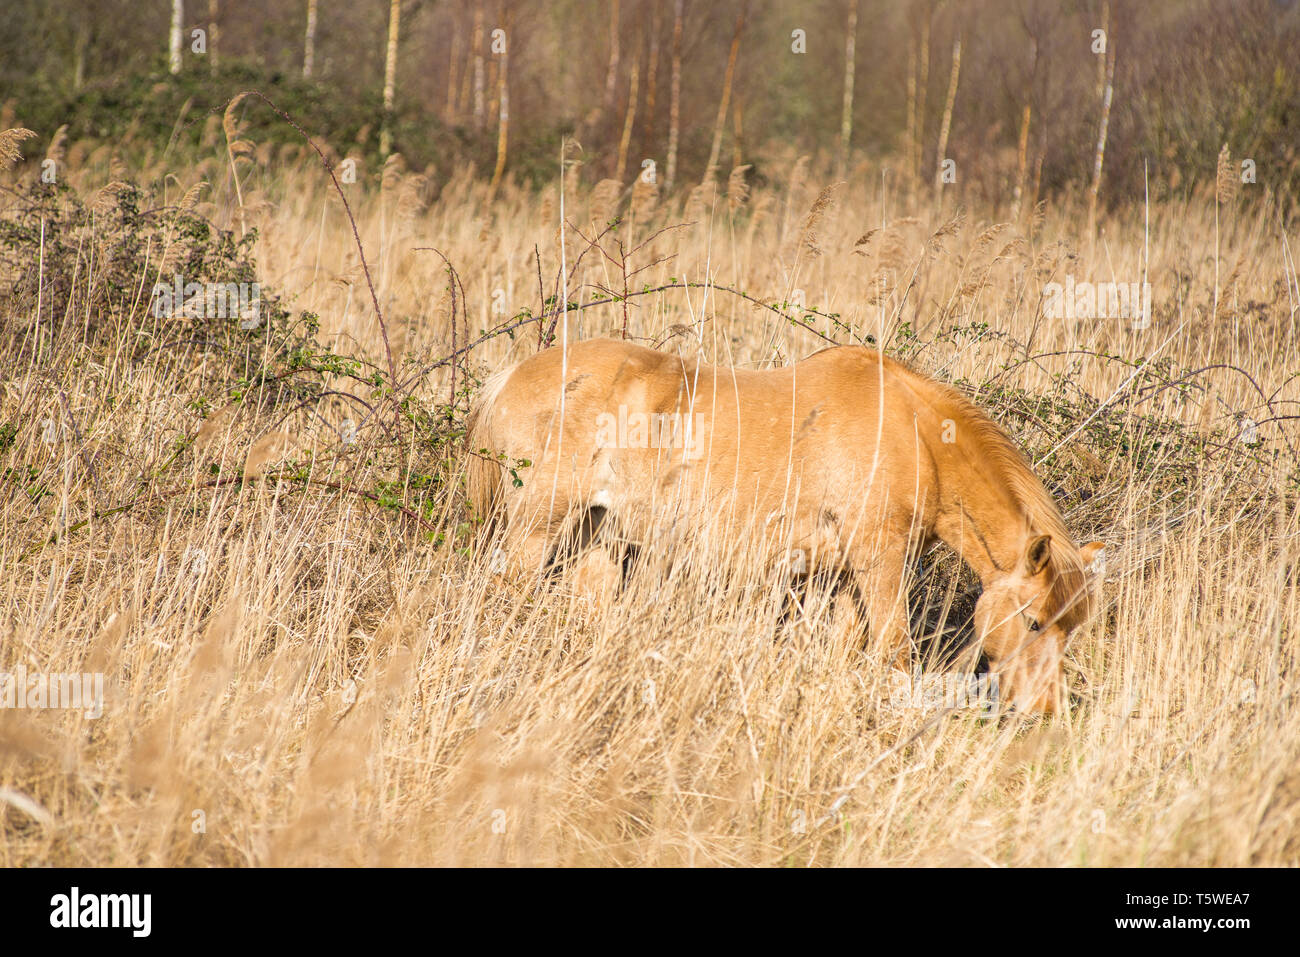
[[1100, 155], [309, 47], [390, 62], [626, 139], [390, 77], [611, 73], [178, 25], [946, 123], [214, 34], [675, 101], [727, 78], [477, 44], [846, 116], [503, 105]]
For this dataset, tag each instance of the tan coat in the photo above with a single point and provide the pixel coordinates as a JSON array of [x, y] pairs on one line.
[[846, 460]]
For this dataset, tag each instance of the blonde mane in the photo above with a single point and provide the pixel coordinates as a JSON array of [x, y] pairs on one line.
[[1069, 596], [1025, 487]]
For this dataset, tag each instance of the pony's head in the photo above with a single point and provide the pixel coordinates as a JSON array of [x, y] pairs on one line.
[[1025, 616]]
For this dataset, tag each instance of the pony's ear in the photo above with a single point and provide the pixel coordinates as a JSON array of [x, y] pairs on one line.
[[1037, 554], [1094, 557]]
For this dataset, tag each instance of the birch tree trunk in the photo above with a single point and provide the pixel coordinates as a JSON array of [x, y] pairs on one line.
[[946, 125], [214, 34], [675, 104], [721, 121], [1101, 60], [909, 145], [1038, 170], [738, 130], [464, 96], [503, 103], [611, 74], [309, 44], [449, 111], [1022, 143], [178, 25], [652, 74], [922, 86], [390, 76], [846, 115], [1100, 155], [79, 60], [477, 43], [629, 118]]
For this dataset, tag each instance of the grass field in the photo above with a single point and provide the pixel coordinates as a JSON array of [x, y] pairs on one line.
[[259, 537]]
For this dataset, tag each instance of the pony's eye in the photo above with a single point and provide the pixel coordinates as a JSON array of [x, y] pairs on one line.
[[1033, 624]]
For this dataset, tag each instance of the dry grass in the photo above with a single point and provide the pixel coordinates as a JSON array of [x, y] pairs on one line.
[[326, 685]]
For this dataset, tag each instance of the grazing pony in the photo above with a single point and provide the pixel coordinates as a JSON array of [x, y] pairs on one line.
[[849, 461]]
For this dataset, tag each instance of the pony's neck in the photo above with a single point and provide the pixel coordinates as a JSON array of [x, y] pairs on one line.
[[986, 528], [989, 502], [980, 515]]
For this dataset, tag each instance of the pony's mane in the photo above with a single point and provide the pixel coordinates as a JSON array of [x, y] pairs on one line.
[[1069, 596], [1009, 463]]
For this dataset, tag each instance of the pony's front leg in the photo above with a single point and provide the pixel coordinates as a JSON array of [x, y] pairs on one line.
[[879, 577], [521, 557], [563, 547], [595, 575]]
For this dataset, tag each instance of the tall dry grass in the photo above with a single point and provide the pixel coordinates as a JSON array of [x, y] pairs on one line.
[[297, 676]]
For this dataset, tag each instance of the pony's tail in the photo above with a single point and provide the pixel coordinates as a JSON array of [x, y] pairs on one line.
[[485, 478]]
